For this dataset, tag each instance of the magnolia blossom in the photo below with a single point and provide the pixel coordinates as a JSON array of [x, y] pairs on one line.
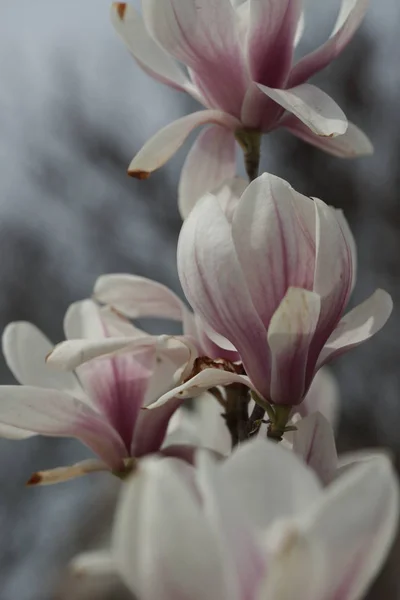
[[258, 526], [101, 404], [274, 279], [239, 59]]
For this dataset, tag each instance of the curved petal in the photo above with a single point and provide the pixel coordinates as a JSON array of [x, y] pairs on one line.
[[210, 162], [290, 335], [203, 35], [314, 442], [355, 526], [352, 144], [229, 195], [312, 106], [25, 349], [13, 433], [83, 320], [148, 54], [137, 297], [281, 226], [156, 555], [202, 382], [350, 16], [93, 564], [151, 428], [163, 145], [323, 396], [270, 39], [361, 323], [215, 286], [53, 413]]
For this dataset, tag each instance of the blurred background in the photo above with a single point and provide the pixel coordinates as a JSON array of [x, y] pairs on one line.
[[74, 109]]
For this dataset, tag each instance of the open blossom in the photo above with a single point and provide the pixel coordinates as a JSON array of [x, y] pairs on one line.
[[101, 404], [258, 526], [240, 67], [274, 279]]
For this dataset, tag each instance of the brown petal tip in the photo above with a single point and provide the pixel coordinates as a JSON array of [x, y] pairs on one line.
[[139, 174], [36, 479], [121, 7]]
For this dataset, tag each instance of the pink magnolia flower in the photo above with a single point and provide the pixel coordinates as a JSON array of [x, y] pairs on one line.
[[239, 59], [101, 404], [258, 526], [274, 279]]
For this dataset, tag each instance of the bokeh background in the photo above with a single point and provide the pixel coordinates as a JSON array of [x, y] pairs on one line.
[[74, 108]]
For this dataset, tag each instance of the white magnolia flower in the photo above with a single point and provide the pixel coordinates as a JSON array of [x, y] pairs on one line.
[[258, 526], [101, 404], [239, 59]]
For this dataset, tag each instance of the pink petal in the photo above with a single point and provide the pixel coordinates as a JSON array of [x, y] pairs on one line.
[[271, 33], [358, 325], [351, 14], [312, 106], [203, 35], [352, 144], [151, 428], [355, 526], [118, 386], [281, 226], [148, 54], [211, 161], [314, 442], [53, 413], [163, 145], [216, 288], [290, 335]]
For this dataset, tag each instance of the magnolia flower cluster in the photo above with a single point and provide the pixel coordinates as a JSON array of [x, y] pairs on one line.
[[240, 495]]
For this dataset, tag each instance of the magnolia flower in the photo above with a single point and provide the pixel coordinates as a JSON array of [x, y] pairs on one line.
[[274, 279], [239, 59], [100, 404], [258, 526]]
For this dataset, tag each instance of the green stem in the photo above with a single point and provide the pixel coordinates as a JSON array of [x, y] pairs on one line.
[[250, 142], [277, 427]]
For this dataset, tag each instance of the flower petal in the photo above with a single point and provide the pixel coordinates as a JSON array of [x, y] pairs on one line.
[[148, 54], [203, 35], [156, 555], [281, 226], [13, 433], [137, 297], [215, 286], [355, 525], [53, 413], [202, 382], [83, 320], [314, 442], [361, 323], [350, 16], [151, 428], [93, 564], [163, 145], [312, 106], [270, 39], [352, 144], [210, 162], [25, 349], [67, 473], [323, 396], [290, 335]]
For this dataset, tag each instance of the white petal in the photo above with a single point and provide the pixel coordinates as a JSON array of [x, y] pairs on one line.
[[358, 325], [290, 336], [200, 383], [163, 145], [83, 320], [314, 442], [355, 526], [163, 545], [93, 564], [215, 286], [25, 349], [137, 297], [210, 162], [53, 413], [253, 475], [301, 25], [312, 106], [203, 35], [13, 433], [352, 144], [149, 55], [323, 396]]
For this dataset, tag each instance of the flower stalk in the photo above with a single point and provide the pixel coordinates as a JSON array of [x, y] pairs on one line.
[[250, 142]]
